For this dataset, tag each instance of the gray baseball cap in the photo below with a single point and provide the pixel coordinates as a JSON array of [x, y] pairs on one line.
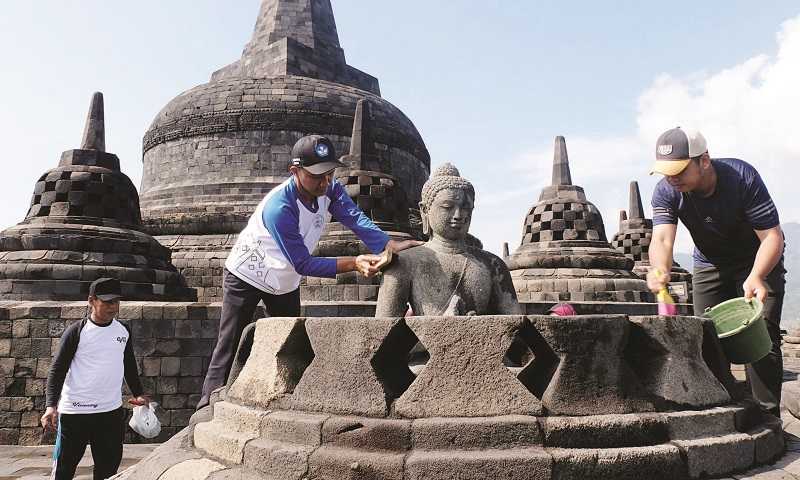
[[675, 148]]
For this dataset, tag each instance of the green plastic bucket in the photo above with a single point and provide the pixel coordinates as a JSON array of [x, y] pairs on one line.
[[741, 329]]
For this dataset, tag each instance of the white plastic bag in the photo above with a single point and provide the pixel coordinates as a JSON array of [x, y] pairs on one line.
[[144, 420]]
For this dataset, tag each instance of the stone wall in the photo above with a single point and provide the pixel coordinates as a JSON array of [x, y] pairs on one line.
[[172, 343]]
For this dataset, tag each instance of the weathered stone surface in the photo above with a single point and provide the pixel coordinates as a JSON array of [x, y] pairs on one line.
[[510, 431], [592, 376], [604, 431], [285, 461], [227, 434], [342, 378], [195, 469], [367, 434], [161, 459], [657, 462], [331, 462], [465, 376], [790, 397], [511, 464], [666, 353], [686, 425], [717, 455], [294, 427], [275, 367], [769, 441]]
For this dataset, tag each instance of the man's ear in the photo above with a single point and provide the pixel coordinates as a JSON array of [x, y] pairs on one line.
[[293, 169]]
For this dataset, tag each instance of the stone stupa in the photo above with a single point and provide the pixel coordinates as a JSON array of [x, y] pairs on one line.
[[633, 239], [564, 254], [83, 224], [215, 150]]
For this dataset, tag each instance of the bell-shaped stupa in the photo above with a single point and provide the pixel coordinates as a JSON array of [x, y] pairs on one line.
[[564, 254], [83, 224], [633, 239], [215, 150]]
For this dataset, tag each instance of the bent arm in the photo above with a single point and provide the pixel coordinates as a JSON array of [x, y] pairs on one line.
[[131, 372], [394, 293], [661, 245], [769, 252]]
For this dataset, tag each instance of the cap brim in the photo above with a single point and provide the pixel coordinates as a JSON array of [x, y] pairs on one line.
[[323, 167], [109, 297], [669, 167]]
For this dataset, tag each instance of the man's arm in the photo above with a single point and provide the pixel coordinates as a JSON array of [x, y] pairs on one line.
[[767, 257], [660, 254], [58, 373], [346, 212]]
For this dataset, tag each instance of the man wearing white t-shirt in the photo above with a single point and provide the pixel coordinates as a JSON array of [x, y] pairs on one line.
[[84, 387]]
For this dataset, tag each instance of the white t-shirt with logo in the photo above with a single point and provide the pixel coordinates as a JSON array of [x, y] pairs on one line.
[[94, 380]]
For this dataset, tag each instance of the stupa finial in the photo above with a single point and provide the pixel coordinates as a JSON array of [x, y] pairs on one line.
[[635, 208], [561, 173], [94, 133]]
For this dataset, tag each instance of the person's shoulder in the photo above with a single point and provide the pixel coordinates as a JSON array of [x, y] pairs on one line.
[[281, 200], [664, 190], [74, 328], [734, 167]]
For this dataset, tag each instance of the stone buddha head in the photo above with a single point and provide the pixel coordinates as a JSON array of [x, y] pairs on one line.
[[447, 203]]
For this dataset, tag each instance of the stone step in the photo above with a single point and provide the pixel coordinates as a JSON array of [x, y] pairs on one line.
[[220, 441], [713, 456]]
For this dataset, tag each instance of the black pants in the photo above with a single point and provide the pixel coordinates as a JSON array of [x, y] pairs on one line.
[[239, 301], [103, 431], [713, 285]]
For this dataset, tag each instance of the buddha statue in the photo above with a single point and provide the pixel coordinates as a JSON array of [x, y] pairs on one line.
[[447, 276]]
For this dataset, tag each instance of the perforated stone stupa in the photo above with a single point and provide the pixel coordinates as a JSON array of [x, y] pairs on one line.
[[214, 151], [83, 224], [564, 254], [633, 239]]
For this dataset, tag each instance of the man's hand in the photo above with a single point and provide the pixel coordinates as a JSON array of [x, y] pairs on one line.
[[49, 420], [140, 400], [366, 265], [754, 286], [396, 246], [656, 279]]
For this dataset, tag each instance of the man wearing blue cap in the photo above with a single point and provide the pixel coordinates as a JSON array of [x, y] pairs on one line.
[[272, 253], [737, 235]]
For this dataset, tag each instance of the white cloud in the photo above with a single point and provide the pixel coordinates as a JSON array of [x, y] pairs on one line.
[[747, 111]]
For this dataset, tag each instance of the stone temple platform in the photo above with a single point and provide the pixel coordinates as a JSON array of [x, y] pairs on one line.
[[604, 397]]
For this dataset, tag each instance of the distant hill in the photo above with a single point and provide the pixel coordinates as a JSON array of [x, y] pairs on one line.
[[790, 318]]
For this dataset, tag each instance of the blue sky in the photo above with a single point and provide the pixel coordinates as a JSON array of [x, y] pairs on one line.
[[488, 84]]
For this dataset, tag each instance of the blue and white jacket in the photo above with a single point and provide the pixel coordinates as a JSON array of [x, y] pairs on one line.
[[273, 250]]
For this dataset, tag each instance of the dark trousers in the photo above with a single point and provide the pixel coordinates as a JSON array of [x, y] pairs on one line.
[[103, 431], [713, 285], [239, 301]]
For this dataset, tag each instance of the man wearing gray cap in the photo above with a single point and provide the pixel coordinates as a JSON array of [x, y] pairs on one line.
[[272, 253], [737, 235]]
